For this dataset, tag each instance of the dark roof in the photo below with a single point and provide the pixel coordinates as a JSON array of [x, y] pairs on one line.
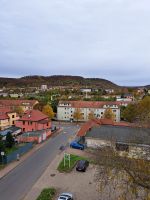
[[11, 129], [120, 134], [97, 122]]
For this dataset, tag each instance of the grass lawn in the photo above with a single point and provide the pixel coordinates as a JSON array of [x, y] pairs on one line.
[[47, 194], [73, 161]]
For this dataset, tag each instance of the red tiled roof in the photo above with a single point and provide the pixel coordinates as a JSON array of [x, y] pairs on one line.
[[90, 104], [17, 102], [87, 126], [3, 116], [33, 115], [5, 110], [98, 122]]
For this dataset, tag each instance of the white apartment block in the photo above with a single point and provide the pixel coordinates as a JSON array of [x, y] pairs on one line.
[[66, 109]]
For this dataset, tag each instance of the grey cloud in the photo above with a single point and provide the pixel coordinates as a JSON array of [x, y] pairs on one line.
[[95, 38]]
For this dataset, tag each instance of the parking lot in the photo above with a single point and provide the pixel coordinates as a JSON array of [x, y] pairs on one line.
[[80, 184]]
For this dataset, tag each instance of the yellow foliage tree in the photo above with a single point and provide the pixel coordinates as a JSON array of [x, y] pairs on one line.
[[47, 110], [77, 114], [108, 114]]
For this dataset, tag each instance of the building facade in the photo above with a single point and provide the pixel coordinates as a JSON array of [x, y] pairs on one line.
[[7, 118], [66, 109], [33, 120]]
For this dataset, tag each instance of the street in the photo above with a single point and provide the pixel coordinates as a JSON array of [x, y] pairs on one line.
[[16, 184]]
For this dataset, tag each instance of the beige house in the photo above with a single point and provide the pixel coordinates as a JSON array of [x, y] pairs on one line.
[[7, 118]]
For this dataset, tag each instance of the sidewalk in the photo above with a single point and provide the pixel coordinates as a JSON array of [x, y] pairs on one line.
[[8, 168]]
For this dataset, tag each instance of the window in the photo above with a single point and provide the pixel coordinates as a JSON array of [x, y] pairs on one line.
[[13, 122], [23, 129], [13, 116], [31, 123], [23, 122]]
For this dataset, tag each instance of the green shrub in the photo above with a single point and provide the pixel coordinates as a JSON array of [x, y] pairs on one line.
[[47, 194], [73, 161]]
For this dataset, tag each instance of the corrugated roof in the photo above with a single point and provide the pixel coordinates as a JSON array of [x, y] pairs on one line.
[[98, 122], [120, 134]]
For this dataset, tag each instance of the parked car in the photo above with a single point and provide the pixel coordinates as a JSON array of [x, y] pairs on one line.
[[65, 196], [76, 145], [82, 165]]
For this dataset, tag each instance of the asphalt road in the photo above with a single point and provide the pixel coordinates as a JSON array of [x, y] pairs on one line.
[[18, 182]]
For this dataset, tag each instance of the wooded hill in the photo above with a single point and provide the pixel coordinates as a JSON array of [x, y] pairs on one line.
[[58, 80]]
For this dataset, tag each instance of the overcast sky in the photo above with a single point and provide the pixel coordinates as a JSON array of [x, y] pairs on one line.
[[91, 38]]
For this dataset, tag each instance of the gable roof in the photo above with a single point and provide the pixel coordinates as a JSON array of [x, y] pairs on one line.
[[88, 104], [17, 102], [33, 115]]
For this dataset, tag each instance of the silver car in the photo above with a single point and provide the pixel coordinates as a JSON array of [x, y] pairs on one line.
[[65, 196]]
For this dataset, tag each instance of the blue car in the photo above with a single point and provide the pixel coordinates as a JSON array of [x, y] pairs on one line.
[[76, 145]]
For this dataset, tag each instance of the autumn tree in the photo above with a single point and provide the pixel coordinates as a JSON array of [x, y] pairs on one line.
[[39, 106], [108, 114], [18, 110], [130, 112], [47, 109], [91, 115], [77, 115], [122, 176], [144, 110]]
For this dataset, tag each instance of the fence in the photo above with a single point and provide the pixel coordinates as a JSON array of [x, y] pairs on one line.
[[13, 156]]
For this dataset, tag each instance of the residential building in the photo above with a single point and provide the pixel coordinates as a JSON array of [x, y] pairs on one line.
[[7, 118], [66, 109], [33, 120], [125, 138], [24, 104], [16, 95], [44, 87], [109, 91], [84, 90]]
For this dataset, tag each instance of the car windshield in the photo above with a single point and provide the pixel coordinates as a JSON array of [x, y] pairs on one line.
[[81, 162], [64, 198], [65, 195]]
